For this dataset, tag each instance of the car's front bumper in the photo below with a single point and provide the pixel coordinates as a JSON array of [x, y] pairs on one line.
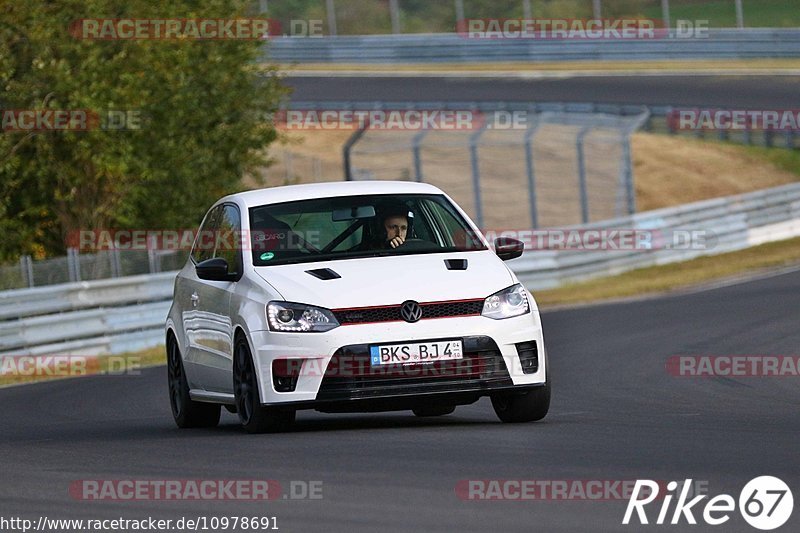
[[335, 370]]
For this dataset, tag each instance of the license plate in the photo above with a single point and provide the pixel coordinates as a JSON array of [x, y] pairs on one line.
[[421, 352]]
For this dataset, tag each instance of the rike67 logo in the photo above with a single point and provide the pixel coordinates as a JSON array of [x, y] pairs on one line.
[[765, 503]]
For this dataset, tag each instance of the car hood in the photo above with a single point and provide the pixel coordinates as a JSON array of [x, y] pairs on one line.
[[390, 280]]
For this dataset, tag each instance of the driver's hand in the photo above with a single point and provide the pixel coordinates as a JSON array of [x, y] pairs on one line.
[[397, 241]]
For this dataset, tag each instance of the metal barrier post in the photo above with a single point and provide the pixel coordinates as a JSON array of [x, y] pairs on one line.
[[289, 164], [627, 166], [529, 169], [415, 147], [476, 172], [354, 138], [582, 175], [26, 266], [116, 263], [73, 265], [331, 9]]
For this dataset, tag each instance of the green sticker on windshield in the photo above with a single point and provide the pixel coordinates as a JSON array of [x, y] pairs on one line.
[[266, 256]]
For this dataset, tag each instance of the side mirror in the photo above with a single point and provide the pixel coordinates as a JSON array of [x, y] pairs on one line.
[[507, 248], [214, 269]]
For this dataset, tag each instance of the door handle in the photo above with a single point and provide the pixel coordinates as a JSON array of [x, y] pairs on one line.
[[195, 299]]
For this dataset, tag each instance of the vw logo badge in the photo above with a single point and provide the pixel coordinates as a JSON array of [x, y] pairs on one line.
[[410, 311]]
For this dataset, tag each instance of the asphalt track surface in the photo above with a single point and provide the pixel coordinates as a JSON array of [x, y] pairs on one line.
[[746, 92], [616, 414]]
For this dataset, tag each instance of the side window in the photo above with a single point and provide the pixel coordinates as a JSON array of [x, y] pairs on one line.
[[204, 242], [421, 223], [454, 232], [229, 242]]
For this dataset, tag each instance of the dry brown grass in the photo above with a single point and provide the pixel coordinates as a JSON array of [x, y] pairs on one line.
[[674, 170], [675, 276]]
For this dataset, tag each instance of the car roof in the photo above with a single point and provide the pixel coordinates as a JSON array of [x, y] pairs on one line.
[[275, 195]]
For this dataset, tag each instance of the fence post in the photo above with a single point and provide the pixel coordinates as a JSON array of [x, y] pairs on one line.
[[116, 263], [288, 163], [739, 14], [529, 169], [627, 165], [395, 12], [151, 256], [354, 138], [527, 12], [331, 9], [26, 266], [476, 172], [582, 175], [317, 165], [415, 146], [596, 10], [73, 264]]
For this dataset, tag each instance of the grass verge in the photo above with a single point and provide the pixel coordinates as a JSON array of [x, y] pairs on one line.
[[676, 276], [19, 370]]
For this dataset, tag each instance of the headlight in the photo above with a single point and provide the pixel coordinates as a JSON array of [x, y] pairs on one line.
[[509, 302], [288, 316]]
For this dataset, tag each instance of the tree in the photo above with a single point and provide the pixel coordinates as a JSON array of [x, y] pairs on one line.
[[201, 106]]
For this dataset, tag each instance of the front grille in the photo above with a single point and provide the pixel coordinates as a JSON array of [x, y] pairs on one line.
[[350, 376], [391, 313]]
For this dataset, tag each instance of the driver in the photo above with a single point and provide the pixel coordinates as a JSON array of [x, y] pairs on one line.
[[395, 225]]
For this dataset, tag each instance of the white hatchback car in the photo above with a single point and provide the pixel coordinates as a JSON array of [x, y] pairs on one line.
[[350, 297]]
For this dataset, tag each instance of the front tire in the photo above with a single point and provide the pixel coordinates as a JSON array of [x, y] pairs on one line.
[[186, 412], [527, 406], [254, 417]]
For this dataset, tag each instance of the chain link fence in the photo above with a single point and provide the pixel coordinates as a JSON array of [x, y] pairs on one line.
[[361, 17], [561, 169], [85, 267]]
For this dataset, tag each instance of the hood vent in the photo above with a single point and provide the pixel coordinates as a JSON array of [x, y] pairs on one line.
[[456, 264], [323, 274]]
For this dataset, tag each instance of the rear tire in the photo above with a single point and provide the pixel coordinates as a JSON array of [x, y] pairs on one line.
[[254, 417], [434, 410], [186, 412], [522, 407]]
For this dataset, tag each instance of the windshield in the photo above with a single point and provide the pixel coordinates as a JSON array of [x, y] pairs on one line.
[[357, 226]]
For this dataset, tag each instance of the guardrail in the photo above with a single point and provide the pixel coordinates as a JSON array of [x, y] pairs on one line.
[[454, 48], [87, 318], [126, 314], [729, 224]]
